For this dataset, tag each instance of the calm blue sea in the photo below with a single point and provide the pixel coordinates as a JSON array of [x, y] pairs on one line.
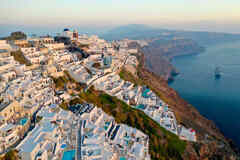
[[218, 100]]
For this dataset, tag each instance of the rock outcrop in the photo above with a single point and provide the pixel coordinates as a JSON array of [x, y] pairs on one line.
[[211, 142], [159, 53]]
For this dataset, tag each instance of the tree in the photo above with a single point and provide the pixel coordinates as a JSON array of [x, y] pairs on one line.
[[11, 155], [18, 56], [16, 36]]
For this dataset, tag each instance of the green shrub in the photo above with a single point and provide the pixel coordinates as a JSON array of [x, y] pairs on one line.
[[162, 143], [16, 36], [64, 106], [127, 76], [11, 155], [18, 56], [39, 118]]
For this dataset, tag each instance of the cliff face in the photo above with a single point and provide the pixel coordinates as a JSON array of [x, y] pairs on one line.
[[211, 143], [160, 52]]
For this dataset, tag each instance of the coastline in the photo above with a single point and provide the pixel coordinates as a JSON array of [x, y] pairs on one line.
[[188, 76], [189, 116], [159, 57], [176, 72]]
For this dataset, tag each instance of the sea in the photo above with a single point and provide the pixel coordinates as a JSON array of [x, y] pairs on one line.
[[216, 99]]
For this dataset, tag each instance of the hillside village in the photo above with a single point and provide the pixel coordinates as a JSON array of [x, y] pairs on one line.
[[37, 119]]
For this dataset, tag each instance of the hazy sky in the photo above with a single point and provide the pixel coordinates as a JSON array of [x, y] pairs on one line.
[[221, 15]]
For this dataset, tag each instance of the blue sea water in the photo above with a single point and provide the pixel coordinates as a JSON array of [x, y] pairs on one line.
[[216, 99]]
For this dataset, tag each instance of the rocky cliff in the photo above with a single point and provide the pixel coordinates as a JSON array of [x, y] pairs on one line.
[[211, 145], [159, 53]]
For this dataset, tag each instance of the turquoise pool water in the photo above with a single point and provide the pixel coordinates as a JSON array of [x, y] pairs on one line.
[[69, 155], [145, 93], [140, 106], [23, 121], [106, 125], [165, 108], [105, 128], [126, 142]]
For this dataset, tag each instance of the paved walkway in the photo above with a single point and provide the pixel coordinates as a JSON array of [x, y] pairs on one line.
[[78, 152]]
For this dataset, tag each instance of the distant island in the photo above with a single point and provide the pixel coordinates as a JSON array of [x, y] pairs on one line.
[[163, 44]]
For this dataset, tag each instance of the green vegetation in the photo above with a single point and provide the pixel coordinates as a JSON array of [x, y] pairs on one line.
[[75, 101], [161, 95], [16, 36], [127, 76], [64, 106], [162, 144], [144, 78], [83, 46], [68, 76], [1, 100], [60, 82], [10, 155], [18, 56], [39, 118]]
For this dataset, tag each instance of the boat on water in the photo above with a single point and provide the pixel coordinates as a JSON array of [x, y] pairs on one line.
[[217, 73]]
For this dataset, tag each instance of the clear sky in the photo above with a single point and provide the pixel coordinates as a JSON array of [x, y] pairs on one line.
[[190, 14]]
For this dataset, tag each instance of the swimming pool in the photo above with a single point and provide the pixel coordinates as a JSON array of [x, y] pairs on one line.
[[145, 93], [140, 106], [105, 128], [69, 155], [23, 121], [106, 125], [165, 108]]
